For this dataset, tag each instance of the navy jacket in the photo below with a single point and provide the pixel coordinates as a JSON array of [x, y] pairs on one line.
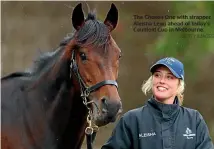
[[160, 126]]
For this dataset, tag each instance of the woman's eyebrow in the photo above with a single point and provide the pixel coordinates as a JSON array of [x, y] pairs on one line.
[[166, 73], [170, 73]]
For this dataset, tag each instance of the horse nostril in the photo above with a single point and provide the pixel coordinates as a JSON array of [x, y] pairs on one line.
[[104, 100], [104, 104]]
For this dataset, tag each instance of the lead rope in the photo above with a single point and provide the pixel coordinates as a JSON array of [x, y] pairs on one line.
[[91, 130]]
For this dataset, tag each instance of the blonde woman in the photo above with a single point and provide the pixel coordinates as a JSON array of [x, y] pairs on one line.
[[162, 123]]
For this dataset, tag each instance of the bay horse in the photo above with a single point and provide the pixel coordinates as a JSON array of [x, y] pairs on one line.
[[66, 91]]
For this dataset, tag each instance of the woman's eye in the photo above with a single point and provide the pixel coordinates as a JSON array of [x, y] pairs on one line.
[[157, 74], [83, 56], [170, 77]]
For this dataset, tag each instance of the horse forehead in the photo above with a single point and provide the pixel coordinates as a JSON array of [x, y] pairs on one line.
[[105, 52], [109, 49]]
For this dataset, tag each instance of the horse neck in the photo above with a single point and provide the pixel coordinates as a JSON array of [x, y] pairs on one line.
[[72, 114], [75, 131], [67, 112]]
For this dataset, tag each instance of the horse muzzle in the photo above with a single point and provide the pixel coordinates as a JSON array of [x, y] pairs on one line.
[[107, 112]]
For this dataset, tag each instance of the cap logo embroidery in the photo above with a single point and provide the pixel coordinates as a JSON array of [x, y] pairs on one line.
[[169, 60]]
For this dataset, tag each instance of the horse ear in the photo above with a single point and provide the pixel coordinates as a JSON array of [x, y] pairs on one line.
[[112, 17], [78, 17]]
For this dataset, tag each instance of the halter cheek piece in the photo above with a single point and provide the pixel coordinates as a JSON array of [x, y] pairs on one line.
[[85, 92]]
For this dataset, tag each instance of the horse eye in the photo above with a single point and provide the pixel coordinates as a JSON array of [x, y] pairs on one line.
[[83, 56]]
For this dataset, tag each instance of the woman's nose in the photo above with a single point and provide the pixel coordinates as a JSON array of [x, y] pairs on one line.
[[162, 79]]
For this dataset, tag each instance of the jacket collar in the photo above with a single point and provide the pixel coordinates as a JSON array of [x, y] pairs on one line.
[[164, 111]]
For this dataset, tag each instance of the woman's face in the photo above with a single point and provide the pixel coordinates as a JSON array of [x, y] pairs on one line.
[[165, 85]]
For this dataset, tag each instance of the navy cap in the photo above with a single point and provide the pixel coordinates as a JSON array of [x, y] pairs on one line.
[[174, 65]]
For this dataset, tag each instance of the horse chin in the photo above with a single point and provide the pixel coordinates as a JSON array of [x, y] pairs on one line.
[[102, 120], [99, 118]]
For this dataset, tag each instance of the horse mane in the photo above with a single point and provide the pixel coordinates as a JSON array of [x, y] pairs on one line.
[[15, 74], [93, 33], [38, 65]]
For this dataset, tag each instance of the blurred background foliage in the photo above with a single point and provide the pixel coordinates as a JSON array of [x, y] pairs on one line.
[[191, 49], [29, 26]]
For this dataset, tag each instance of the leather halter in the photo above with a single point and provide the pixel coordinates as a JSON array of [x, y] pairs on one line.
[[85, 92]]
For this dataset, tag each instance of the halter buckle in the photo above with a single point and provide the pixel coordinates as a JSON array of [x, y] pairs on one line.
[[85, 93], [89, 130]]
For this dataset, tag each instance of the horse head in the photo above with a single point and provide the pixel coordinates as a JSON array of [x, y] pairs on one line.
[[95, 64]]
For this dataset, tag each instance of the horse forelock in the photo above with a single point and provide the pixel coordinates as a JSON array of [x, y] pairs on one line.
[[92, 33]]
